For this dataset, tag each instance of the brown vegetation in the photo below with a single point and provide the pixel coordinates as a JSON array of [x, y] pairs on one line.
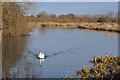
[[111, 27], [45, 17], [13, 19], [107, 67], [106, 22], [69, 20]]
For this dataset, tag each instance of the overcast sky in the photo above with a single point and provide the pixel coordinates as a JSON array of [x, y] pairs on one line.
[[79, 8]]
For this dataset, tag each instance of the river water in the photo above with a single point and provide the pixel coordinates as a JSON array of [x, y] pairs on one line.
[[67, 50]]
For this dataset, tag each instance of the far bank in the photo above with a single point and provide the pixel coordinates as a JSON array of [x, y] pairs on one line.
[[112, 27]]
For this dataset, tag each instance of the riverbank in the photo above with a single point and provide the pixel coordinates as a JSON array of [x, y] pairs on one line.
[[112, 27], [16, 32], [104, 67]]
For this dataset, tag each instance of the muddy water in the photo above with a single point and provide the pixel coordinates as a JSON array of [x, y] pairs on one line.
[[66, 50]]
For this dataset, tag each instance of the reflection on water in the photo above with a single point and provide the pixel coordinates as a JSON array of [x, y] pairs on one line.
[[66, 49], [0, 58], [41, 62], [12, 50]]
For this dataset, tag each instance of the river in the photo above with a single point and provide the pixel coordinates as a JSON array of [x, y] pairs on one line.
[[67, 50]]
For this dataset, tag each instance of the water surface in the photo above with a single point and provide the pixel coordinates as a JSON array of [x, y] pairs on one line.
[[67, 50]]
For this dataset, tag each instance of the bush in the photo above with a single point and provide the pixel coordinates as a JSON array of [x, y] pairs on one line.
[[107, 67]]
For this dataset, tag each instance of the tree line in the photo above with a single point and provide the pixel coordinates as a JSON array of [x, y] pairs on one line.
[[109, 17]]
